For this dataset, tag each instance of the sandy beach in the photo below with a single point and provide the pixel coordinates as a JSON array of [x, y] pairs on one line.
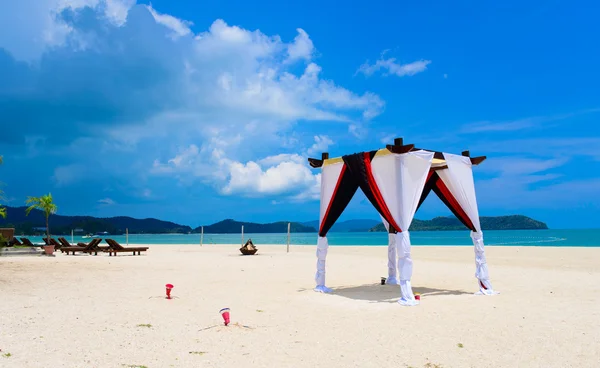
[[101, 311]]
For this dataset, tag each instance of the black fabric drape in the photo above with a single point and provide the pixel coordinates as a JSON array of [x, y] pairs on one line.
[[429, 184], [359, 165]]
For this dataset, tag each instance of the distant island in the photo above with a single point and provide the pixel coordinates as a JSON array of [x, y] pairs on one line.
[[230, 226], [514, 222], [61, 224]]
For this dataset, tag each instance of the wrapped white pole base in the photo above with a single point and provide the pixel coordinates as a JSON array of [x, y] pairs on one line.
[[405, 266], [481, 268], [392, 261], [407, 297], [322, 246], [322, 289]]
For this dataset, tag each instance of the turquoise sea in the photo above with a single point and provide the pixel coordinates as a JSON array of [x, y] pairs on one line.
[[546, 238]]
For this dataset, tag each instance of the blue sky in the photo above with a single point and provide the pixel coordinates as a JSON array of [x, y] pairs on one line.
[[198, 111]]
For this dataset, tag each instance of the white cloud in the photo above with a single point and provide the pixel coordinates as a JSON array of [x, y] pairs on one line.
[[224, 68], [521, 124], [359, 131], [107, 202], [186, 157], [564, 147], [505, 126], [68, 174], [301, 48], [30, 27], [537, 191], [178, 26], [322, 143], [390, 66], [276, 175], [519, 166], [388, 138], [284, 174], [117, 10], [214, 107]]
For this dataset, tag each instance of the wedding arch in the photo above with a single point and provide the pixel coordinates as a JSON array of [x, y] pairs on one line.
[[396, 180]]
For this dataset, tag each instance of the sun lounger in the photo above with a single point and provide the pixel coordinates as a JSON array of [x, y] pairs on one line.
[[96, 247], [82, 247], [92, 247], [14, 241], [114, 247], [65, 243], [52, 241], [28, 242]]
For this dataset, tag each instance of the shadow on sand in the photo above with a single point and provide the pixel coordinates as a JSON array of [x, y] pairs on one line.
[[387, 293]]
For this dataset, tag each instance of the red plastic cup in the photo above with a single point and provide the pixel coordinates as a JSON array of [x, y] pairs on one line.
[[225, 314], [169, 287]]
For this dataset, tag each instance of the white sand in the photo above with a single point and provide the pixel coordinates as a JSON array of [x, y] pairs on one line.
[[84, 311]]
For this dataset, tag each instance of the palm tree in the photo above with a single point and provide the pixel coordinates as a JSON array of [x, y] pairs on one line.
[[45, 204]]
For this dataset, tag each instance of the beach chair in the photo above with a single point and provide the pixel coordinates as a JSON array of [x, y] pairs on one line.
[[28, 242], [52, 241], [14, 241], [91, 247], [96, 248], [114, 247], [64, 242], [11, 242], [82, 247]]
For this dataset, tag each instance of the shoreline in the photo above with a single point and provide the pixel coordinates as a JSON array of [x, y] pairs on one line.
[[511, 238], [352, 246], [297, 246]]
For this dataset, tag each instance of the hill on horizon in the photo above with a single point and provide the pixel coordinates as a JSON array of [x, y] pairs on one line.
[[230, 226], [61, 224], [356, 225], [511, 222]]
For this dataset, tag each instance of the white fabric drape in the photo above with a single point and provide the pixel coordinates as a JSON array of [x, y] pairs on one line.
[[329, 178], [458, 178], [481, 268], [392, 278], [392, 257], [401, 179], [322, 247], [405, 265], [330, 175], [385, 224]]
